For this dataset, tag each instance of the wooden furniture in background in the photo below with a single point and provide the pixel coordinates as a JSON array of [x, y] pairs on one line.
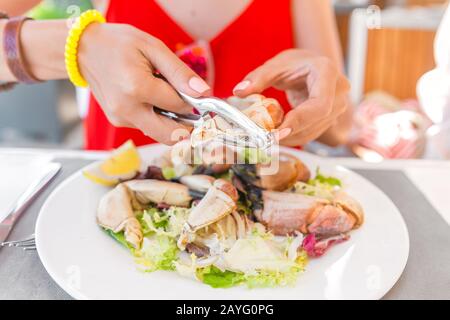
[[342, 21], [424, 2], [396, 59], [380, 3]]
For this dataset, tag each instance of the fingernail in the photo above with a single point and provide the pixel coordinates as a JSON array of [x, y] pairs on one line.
[[198, 85], [242, 85], [284, 133]]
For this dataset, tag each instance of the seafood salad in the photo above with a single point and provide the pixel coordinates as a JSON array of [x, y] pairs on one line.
[[228, 224]]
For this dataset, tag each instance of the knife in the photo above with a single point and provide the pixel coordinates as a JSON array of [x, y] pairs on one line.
[[26, 198]]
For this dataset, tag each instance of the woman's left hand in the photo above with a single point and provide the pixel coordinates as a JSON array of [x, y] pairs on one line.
[[317, 91]]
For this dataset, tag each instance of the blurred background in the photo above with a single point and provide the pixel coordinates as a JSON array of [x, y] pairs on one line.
[[388, 48]]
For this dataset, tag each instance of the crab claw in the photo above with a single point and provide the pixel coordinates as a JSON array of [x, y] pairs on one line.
[[218, 157], [343, 214], [115, 213], [265, 112], [330, 220], [226, 231], [290, 170], [234, 226], [351, 206], [285, 213], [155, 191], [219, 201], [198, 182], [213, 156]]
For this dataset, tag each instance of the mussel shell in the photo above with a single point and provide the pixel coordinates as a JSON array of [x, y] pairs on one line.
[[243, 180], [248, 173], [196, 195]]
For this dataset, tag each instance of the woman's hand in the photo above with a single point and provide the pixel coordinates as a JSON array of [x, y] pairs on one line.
[[118, 62], [316, 89]]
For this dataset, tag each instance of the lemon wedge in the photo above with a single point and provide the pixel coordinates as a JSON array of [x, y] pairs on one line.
[[124, 163]]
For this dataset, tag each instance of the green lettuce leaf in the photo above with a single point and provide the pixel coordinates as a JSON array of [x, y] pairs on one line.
[[158, 252], [119, 237], [270, 279], [216, 278], [265, 279], [169, 173], [167, 222], [255, 156], [321, 179]]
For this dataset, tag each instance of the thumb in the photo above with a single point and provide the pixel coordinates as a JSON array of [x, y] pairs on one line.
[[256, 81]]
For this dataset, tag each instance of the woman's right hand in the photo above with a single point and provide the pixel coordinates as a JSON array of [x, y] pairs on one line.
[[118, 62]]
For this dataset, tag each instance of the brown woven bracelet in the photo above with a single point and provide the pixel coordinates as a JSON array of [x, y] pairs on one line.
[[13, 52], [8, 85]]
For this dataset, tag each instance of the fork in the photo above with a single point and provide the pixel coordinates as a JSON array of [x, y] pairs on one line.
[[27, 244]]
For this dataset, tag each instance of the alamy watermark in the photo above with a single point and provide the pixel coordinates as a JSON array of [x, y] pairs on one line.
[[73, 273], [214, 152], [373, 17]]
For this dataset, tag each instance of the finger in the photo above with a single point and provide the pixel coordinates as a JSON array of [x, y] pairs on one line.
[[159, 93], [175, 71], [306, 115], [320, 104], [322, 79], [156, 126], [317, 130], [257, 81], [286, 70], [281, 134], [341, 104]]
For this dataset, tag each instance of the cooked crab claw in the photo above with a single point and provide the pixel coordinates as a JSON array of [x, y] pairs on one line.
[[115, 213], [219, 201], [329, 220], [224, 233], [285, 213], [212, 157], [234, 226], [265, 112], [278, 176], [155, 191], [351, 206], [198, 182]]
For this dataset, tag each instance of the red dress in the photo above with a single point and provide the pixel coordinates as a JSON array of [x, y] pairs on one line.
[[259, 33]]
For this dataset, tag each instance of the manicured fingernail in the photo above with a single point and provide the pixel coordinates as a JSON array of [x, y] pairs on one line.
[[242, 85], [198, 85], [284, 133]]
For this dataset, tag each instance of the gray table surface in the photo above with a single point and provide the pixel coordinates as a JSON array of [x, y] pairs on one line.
[[426, 276]]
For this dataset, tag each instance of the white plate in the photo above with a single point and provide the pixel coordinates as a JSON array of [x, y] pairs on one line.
[[88, 264]]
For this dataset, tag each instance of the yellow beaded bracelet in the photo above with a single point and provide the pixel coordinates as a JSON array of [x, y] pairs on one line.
[[72, 42]]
